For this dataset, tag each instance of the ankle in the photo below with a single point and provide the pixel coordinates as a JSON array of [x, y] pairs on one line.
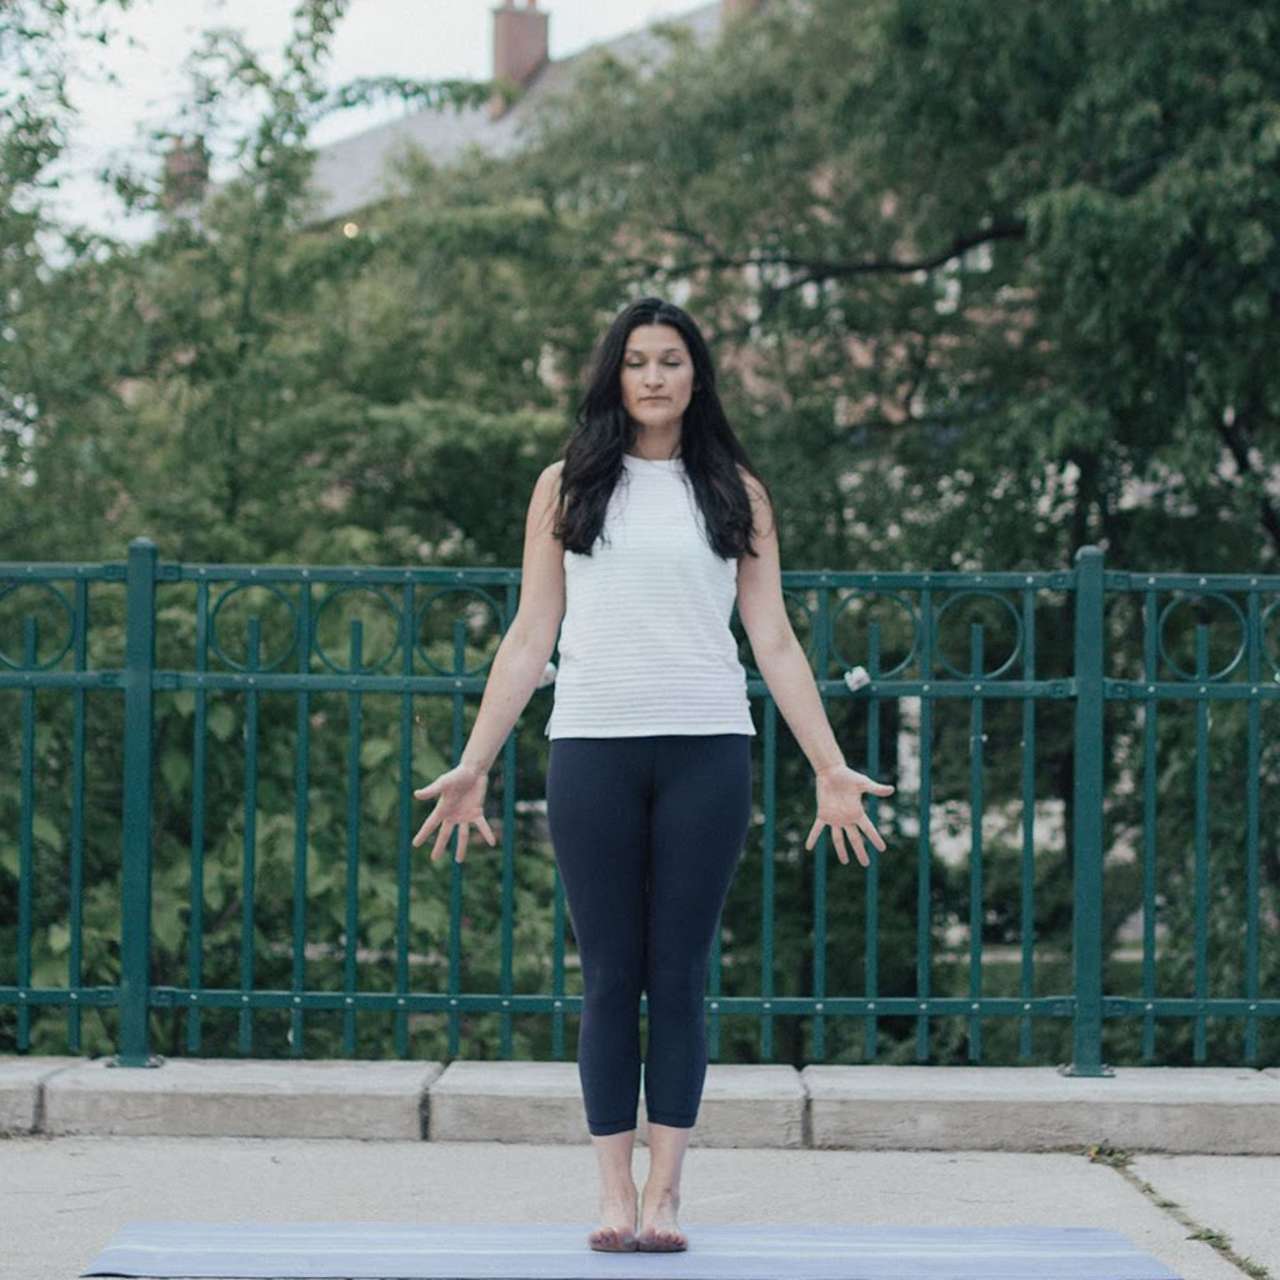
[[661, 1191], [620, 1188]]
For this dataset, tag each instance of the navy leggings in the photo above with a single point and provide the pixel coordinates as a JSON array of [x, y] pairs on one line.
[[647, 834]]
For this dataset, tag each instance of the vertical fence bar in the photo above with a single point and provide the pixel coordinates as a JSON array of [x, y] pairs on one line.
[[301, 804], [26, 836], [250, 855], [976, 913], [195, 933], [1087, 818], [404, 847], [455, 867], [769, 798], [924, 852], [820, 849], [1201, 904], [1252, 894], [557, 925], [871, 949], [1149, 725], [509, 784], [351, 927], [76, 959], [1027, 939], [135, 886]]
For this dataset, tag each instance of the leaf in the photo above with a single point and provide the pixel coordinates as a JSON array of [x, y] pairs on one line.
[[176, 769], [375, 751], [46, 831], [167, 930], [429, 916], [382, 799], [381, 932], [221, 721]]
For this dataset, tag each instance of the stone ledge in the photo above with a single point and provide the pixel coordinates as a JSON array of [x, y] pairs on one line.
[[1182, 1110], [21, 1091], [248, 1097], [743, 1105], [1203, 1110]]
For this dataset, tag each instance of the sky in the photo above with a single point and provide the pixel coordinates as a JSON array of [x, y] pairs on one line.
[[137, 83]]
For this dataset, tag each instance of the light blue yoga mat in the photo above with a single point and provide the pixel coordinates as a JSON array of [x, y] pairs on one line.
[[430, 1251]]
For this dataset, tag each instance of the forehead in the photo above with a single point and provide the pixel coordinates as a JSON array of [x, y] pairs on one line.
[[655, 337]]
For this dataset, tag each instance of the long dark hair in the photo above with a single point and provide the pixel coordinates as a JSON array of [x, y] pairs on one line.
[[604, 431]]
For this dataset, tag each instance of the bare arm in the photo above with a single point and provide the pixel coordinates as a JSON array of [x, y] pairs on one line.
[[526, 648], [778, 654], [785, 668]]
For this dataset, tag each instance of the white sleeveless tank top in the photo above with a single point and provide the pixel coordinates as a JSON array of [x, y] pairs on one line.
[[645, 645]]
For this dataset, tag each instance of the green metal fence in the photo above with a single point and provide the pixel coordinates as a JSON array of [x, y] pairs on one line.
[[1110, 611]]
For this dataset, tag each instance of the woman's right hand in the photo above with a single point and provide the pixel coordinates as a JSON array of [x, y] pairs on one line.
[[461, 801]]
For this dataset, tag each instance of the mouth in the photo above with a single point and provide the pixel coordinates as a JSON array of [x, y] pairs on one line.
[[650, 399]]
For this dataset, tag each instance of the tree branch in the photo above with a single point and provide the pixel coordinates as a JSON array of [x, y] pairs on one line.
[[1234, 437], [825, 269]]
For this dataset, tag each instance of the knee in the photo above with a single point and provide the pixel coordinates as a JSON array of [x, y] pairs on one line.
[[677, 987], [612, 984]]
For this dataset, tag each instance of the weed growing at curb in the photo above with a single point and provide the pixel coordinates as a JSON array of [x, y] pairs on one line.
[[1121, 1162]]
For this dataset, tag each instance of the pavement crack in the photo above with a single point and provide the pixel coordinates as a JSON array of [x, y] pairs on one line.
[[1219, 1241]]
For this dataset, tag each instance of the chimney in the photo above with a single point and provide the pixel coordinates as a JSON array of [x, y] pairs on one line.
[[186, 173], [519, 46], [730, 10]]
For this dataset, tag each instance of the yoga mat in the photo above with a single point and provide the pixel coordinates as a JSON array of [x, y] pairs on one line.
[[430, 1251]]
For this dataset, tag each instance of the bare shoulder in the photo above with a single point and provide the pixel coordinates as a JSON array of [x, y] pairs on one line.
[[550, 478], [754, 487]]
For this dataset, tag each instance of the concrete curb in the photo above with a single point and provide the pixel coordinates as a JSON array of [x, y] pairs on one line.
[[245, 1097], [1187, 1110], [742, 1105], [1183, 1110]]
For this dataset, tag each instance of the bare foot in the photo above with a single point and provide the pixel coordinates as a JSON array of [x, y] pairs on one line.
[[659, 1232], [617, 1230]]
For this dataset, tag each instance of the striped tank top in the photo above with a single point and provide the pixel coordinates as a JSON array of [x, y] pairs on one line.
[[645, 645]]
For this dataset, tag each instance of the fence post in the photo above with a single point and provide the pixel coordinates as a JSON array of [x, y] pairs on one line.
[[135, 887], [1087, 818]]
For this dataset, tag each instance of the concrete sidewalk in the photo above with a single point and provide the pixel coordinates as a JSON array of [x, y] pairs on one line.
[[62, 1199], [1184, 1162]]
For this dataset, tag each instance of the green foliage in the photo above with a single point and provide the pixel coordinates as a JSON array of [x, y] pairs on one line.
[[985, 283]]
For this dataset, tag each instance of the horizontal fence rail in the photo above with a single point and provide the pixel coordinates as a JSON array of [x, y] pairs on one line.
[[919, 697]]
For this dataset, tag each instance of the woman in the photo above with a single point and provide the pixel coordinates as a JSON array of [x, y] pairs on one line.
[[640, 540]]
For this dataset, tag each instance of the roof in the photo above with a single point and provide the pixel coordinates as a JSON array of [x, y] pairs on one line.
[[350, 174]]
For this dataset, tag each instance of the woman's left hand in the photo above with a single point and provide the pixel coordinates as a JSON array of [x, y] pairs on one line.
[[840, 791]]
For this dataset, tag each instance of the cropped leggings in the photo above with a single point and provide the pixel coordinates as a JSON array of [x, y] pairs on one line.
[[647, 834]]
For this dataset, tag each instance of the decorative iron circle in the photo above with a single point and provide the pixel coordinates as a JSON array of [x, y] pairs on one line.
[[68, 609], [1263, 619], [481, 600], [378, 593], [1017, 626], [216, 646], [911, 612], [1202, 595]]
